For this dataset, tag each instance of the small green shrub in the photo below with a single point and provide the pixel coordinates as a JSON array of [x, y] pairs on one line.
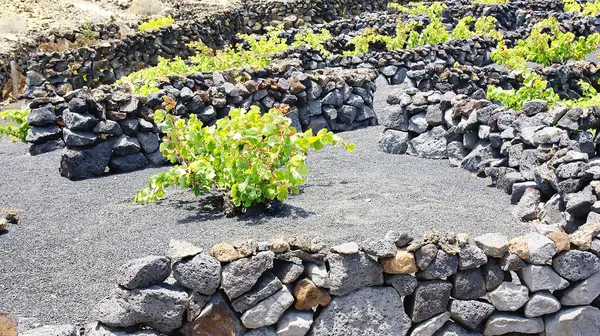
[[534, 87], [434, 33], [14, 124], [315, 40], [156, 23], [254, 158], [418, 8], [588, 9], [546, 48], [257, 55], [491, 2]]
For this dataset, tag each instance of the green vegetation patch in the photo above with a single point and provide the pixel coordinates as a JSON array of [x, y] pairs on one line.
[[156, 23], [254, 158], [13, 124]]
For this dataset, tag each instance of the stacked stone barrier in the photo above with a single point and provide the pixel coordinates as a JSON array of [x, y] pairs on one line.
[[544, 157], [111, 127], [451, 284], [21, 50]]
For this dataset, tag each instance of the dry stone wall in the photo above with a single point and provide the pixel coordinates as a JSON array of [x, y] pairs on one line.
[[544, 157], [436, 285], [111, 127]]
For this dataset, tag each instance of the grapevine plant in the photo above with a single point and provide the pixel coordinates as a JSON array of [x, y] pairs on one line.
[[588, 8], [434, 33], [546, 45], [255, 52], [14, 124], [417, 8], [156, 23], [253, 158]]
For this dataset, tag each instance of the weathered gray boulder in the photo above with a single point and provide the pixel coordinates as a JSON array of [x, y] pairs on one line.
[[509, 296], [425, 255], [349, 272], [54, 330], [475, 160], [429, 145], [538, 277], [201, 273], [393, 141], [41, 116], [430, 298], [288, 271], [404, 284], [268, 311], [79, 122], [503, 323], [429, 327], [493, 244], [576, 265], [294, 323], [541, 303], [378, 248], [266, 286], [368, 311], [418, 123], [395, 117], [79, 164], [493, 274], [582, 293], [468, 284], [471, 256], [470, 313], [541, 248], [454, 329], [160, 307], [97, 329], [317, 273], [148, 141], [239, 276], [579, 321], [127, 163], [528, 207], [78, 138], [143, 272], [442, 266], [38, 135]]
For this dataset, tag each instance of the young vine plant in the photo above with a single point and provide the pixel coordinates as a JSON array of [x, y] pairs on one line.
[[253, 158], [14, 124]]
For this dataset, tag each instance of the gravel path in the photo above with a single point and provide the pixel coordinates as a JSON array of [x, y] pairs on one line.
[[57, 263]]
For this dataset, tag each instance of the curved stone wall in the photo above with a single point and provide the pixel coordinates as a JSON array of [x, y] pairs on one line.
[[434, 285], [111, 127]]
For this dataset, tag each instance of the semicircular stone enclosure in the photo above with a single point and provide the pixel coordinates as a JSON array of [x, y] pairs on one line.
[[453, 91]]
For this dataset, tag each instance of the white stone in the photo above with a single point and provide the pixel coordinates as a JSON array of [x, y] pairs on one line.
[[541, 303], [317, 274], [541, 248], [582, 293], [346, 248], [418, 123], [493, 244], [503, 323], [429, 327], [268, 311], [537, 277], [294, 323], [179, 249], [509, 296], [579, 321]]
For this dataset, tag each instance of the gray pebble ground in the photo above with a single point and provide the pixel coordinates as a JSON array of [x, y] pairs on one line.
[[58, 262]]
